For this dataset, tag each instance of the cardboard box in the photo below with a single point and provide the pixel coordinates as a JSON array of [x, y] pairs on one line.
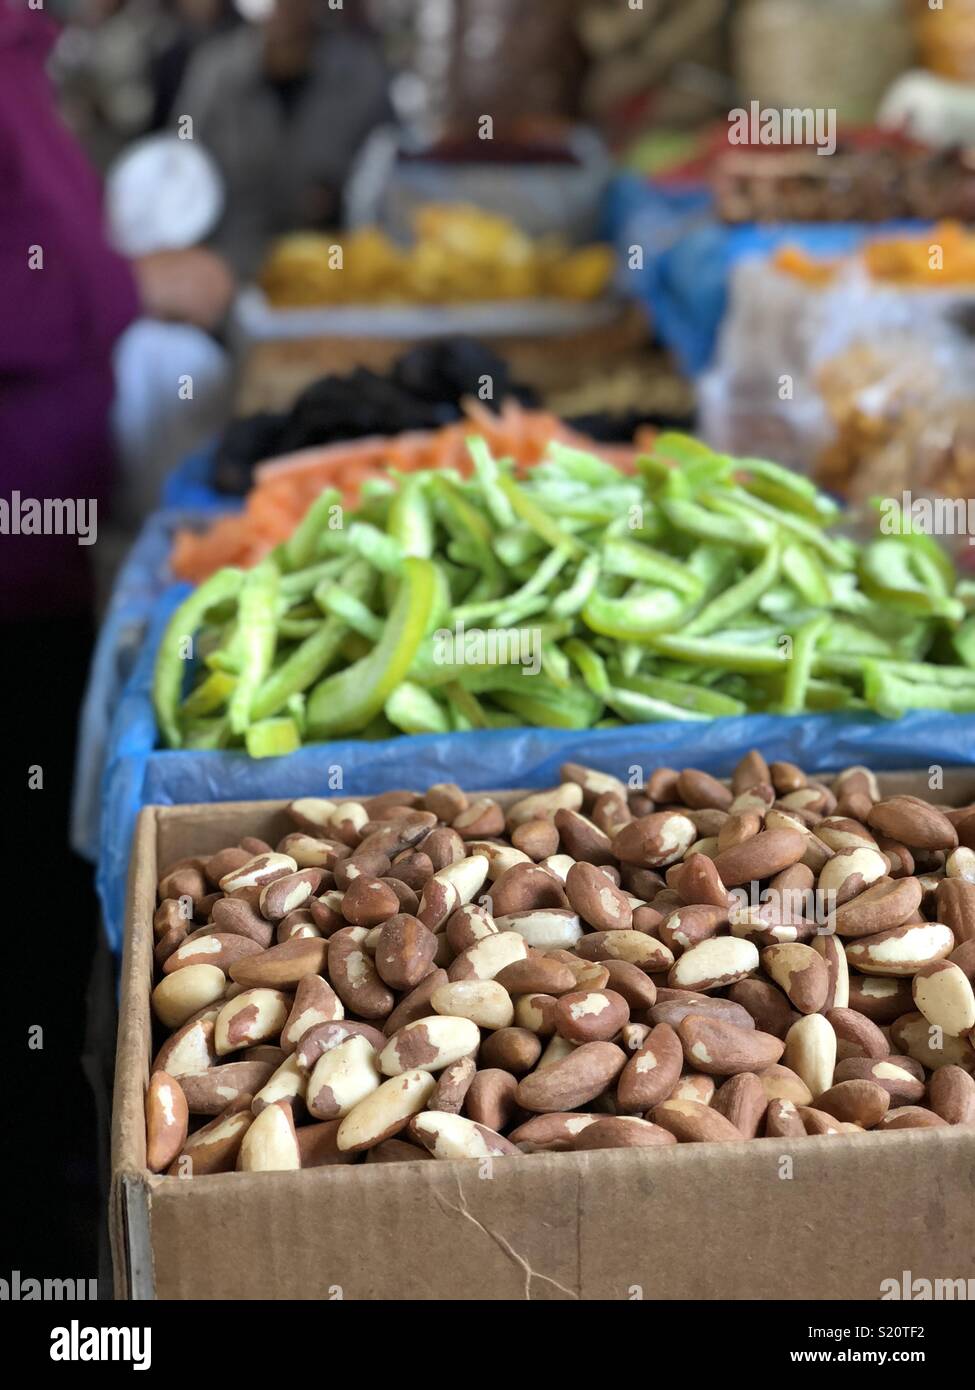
[[767, 1219]]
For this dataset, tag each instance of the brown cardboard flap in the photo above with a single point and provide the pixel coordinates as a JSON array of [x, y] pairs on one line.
[[767, 1219], [803, 1219], [129, 1200]]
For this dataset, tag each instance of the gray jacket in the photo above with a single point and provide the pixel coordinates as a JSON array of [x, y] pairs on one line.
[[284, 163]]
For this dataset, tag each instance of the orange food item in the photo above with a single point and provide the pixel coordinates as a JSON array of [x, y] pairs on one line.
[[286, 487], [934, 260], [943, 256], [793, 260]]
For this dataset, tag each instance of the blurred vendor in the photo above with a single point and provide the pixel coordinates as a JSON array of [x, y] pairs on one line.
[[283, 107], [67, 297]]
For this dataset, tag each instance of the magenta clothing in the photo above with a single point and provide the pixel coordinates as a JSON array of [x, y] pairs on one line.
[[58, 324]]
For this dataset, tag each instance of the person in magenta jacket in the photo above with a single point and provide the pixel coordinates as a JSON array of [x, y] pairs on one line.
[[66, 296]]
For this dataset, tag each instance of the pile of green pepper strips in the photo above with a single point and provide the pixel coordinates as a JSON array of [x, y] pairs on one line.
[[701, 586]]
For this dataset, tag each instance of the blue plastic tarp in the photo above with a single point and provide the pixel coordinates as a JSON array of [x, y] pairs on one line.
[[139, 775], [688, 256], [139, 583], [190, 486]]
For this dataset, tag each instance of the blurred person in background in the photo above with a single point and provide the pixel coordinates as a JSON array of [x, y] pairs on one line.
[[118, 64], [67, 298], [284, 106], [194, 22]]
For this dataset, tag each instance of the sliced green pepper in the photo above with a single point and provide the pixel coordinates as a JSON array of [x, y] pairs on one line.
[[964, 642], [679, 694], [799, 668], [209, 696], [411, 518], [203, 735], [591, 666], [745, 533], [737, 599], [892, 693], [258, 635], [637, 561], [537, 519], [712, 651], [637, 615], [176, 644], [416, 711], [347, 701], [272, 738], [894, 571], [552, 707], [571, 600], [487, 471], [804, 572], [299, 549], [785, 489]]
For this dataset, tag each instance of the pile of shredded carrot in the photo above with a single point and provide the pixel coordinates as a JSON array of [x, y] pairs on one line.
[[286, 487]]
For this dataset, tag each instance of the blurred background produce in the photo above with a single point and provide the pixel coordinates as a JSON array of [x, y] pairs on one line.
[[458, 253]]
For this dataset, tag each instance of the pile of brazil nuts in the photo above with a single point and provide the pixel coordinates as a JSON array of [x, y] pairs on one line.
[[435, 975]]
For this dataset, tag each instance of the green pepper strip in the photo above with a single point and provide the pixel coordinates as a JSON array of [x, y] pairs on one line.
[[299, 549], [574, 598], [637, 615], [745, 534], [514, 610], [799, 669], [382, 551], [300, 670], [513, 607], [167, 681], [206, 734], [785, 489], [538, 519], [487, 472], [464, 523], [831, 695], [920, 543], [353, 613], [806, 575], [416, 711], [556, 665], [740, 597], [465, 704], [750, 511], [518, 545], [636, 561], [549, 706], [889, 573], [680, 694], [411, 518], [347, 701], [891, 695], [708, 652], [964, 642], [591, 666], [581, 465], [209, 696], [294, 587], [256, 611], [308, 662], [272, 738], [951, 677], [637, 708], [297, 629]]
